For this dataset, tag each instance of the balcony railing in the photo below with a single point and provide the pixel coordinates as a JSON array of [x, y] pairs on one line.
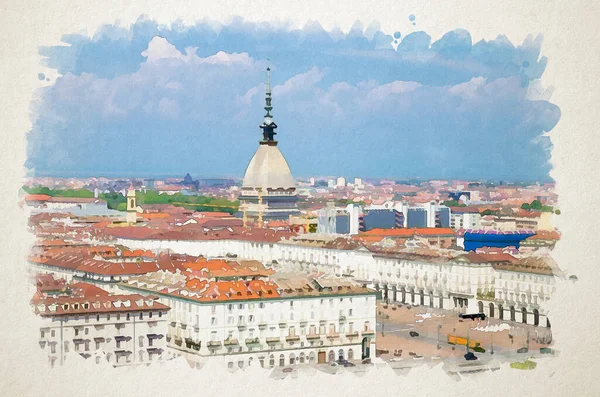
[[231, 342], [282, 325], [214, 343], [368, 332], [342, 319], [252, 341], [352, 335], [333, 336], [292, 338], [313, 336], [273, 340]]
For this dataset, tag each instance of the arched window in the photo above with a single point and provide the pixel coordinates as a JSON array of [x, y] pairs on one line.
[[302, 358], [524, 315], [340, 354], [272, 361], [141, 356], [512, 313], [536, 317], [480, 306], [331, 355], [350, 354], [311, 358], [292, 359], [501, 312], [281, 360]]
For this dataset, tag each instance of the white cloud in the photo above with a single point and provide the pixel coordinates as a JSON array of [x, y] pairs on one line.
[[300, 82], [159, 48]]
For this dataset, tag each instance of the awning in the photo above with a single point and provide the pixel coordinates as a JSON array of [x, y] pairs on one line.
[[122, 338]]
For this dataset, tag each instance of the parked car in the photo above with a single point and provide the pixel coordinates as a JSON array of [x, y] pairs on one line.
[[367, 361], [345, 363], [523, 350], [470, 356], [414, 334], [288, 369]]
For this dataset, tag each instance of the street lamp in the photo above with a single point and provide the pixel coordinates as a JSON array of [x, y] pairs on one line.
[[383, 318], [439, 327]]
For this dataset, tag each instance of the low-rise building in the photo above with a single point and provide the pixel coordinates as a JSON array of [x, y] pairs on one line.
[[83, 320]]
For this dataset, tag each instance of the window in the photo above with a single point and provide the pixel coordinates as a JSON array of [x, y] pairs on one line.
[[66, 346], [97, 317], [118, 344], [87, 331], [141, 316], [349, 312], [230, 307], [76, 332], [141, 339], [128, 316], [261, 305], [150, 315], [230, 365], [291, 303], [241, 306], [251, 318], [108, 317], [42, 333], [213, 309], [87, 318], [97, 345], [97, 359], [118, 316], [213, 321], [52, 333], [312, 315]]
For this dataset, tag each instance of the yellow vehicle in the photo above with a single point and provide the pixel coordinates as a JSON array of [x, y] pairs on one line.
[[458, 340]]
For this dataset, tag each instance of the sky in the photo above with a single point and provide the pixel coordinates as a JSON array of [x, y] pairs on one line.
[[150, 99]]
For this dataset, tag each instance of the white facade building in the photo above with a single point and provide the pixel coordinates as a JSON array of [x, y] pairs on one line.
[[451, 283], [118, 329], [296, 325]]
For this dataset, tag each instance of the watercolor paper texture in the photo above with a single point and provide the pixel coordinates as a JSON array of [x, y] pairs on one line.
[[229, 199]]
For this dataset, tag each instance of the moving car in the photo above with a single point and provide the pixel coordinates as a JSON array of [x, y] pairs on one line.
[[413, 334], [474, 316]]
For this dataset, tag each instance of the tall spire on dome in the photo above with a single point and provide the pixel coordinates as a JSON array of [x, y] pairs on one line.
[[268, 125], [268, 106]]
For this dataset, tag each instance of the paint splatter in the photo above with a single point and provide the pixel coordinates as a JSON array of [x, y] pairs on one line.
[[397, 35], [395, 41], [41, 76], [412, 18], [525, 64]]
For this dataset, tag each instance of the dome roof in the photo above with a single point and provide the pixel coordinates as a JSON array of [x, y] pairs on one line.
[[268, 169]]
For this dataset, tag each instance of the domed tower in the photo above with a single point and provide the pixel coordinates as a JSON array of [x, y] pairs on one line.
[[268, 188]]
